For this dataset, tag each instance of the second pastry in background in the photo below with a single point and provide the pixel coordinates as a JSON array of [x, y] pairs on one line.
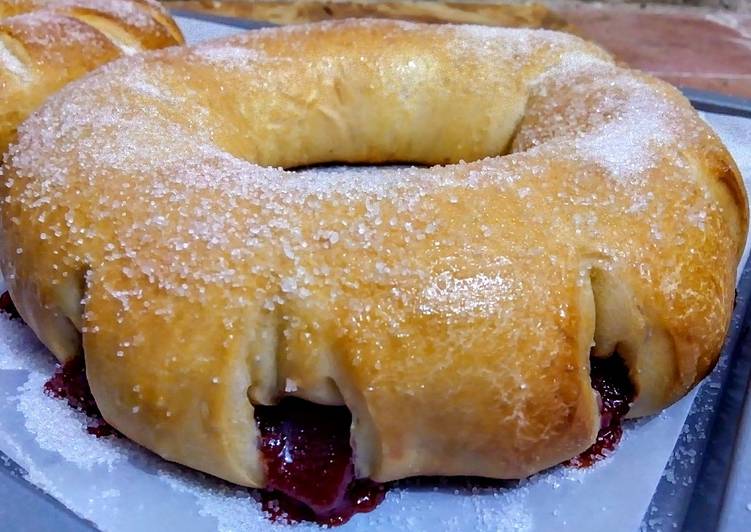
[[46, 44]]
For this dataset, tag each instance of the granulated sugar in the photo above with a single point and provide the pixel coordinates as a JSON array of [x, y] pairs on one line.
[[120, 486], [19, 347], [233, 508], [69, 437]]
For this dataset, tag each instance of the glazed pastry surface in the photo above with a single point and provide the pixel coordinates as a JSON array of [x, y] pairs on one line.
[[45, 44], [570, 206]]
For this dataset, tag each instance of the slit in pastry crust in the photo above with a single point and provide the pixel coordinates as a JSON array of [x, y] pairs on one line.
[[119, 36]]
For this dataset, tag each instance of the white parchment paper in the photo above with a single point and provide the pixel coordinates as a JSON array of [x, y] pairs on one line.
[[121, 487]]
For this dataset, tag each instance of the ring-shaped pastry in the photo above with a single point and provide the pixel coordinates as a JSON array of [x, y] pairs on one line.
[[571, 207]]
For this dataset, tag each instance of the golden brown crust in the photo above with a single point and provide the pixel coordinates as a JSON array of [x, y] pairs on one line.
[[527, 15], [452, 308], [46, 44]]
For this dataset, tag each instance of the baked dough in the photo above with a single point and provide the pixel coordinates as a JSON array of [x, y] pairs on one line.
[[506, 14], [45, 44], [148, 224]]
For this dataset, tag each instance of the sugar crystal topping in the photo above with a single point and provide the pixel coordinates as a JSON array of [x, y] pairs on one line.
[[157, 138], [165, 145]]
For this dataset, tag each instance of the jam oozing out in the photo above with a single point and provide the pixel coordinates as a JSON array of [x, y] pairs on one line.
[[7, 306], [309, 466], [610, 379], [69, 382]]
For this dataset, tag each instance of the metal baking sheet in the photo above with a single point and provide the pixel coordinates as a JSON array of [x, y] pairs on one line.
[[706, 458]]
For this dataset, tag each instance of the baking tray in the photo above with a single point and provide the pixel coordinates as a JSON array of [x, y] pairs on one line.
[[706, 484]]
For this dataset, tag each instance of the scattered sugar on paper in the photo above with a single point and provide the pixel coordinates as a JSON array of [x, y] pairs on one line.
[[480, 509], [61, 429], [20, 349], [233, 507]]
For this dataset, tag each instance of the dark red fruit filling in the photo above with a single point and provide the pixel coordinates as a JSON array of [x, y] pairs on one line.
[[7, 306], [309, 467], [69, 382], [610, 379], [305, 448]]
